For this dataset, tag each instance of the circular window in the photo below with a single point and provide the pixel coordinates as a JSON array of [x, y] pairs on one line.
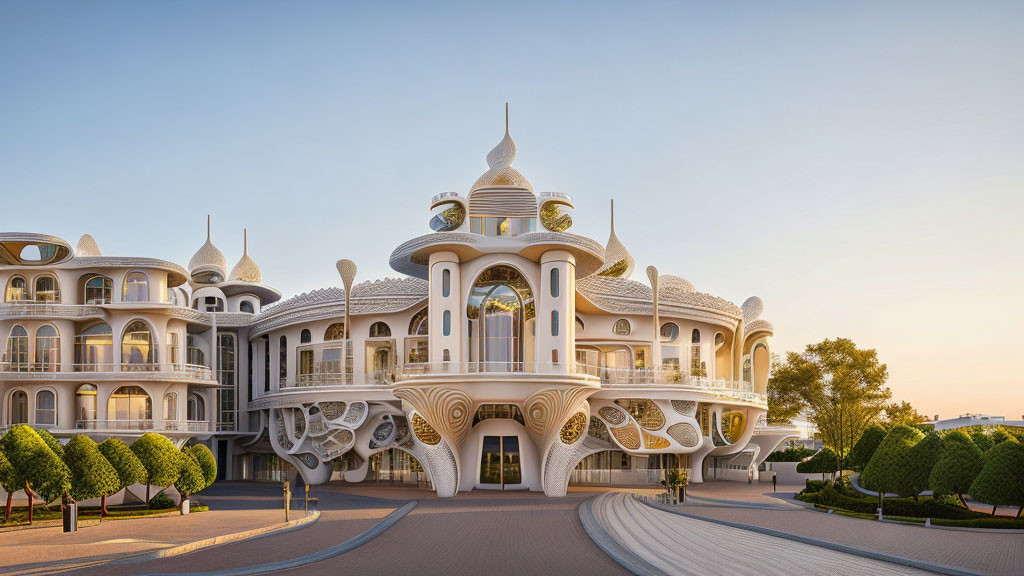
[[669, 331], [621, 327]]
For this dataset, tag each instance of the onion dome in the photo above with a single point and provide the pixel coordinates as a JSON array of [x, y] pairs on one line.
[[87, 247], [246, 270], [207, 266], [501, 174], [752, 308], [618, 262]]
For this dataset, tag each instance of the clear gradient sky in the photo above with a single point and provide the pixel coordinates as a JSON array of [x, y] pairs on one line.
[[860, 166]]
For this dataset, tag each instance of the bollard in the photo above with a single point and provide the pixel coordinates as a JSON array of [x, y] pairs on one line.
[[927, 522], [69, 514], [287, 499], [880, 514], [307, 499]]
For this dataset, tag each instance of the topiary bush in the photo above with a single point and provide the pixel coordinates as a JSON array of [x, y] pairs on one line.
[[865, 447], [823, 462], [812, 486], [928, 508], [10, 481], [207, 462], [92, 475], [1001, 480], [190, 479], [41, 470], [125, 462], [882, 474], [795, 454], [982, 440], [51, 442], [959, 465], [160, 458], [914, 473], [160, 502]]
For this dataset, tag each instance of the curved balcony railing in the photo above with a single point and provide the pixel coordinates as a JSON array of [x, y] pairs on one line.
[[326, 374], [144, 425], [21, 308], [731, 389], [414, 369], [147, 371]]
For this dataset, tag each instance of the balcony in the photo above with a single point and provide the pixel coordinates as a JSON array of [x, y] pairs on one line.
[[412, 370], [726, 389], [144, 425], [30, 308], [51, 371], [331, 374]]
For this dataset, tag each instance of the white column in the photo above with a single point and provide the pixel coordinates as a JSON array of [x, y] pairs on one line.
[[556, 302], [442, 263]]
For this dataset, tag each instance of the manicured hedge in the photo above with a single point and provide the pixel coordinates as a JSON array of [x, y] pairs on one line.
[[927, 508], [160, 458], [92, 476], [865, 448], [190, 478], [206, 461], [795, 454], [1001, 480], [823, 462], [982, 440], [959, 465], [37, 465], [125, 462], [883, 472], [51, 442], [914, 473]]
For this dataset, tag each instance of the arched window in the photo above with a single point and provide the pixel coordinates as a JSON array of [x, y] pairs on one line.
[[554, 322], [19, 408], [669, 331], [246, 307], [335, 331], [193, 353], [172, 296], [380, 330], [16, 290], [85, 403], [170, 406], [129, 404], [47, 289], [500, 304], [213, 304], [266, 363], [136, 287], [554, 282], [696, 368], [98, 290], [446, 282], [47, 349], [282, 360], [621, 327], [419, 325], [17, 350], [579, 323], [94, 349], [446, 323], [695, 336], [46, 408], [138, 350], [196, 407], [172, 347], [305, 337]]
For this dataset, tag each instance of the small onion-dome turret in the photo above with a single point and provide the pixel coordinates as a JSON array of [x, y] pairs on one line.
[[246, 270], [618, 262], [208, 265], [87, 247]]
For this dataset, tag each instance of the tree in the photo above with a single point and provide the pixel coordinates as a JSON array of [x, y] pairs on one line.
[[959, 465], [914, 473], [91, 474], [51, 442], [1001, 480], [823, 462], [982, 440], [11, 482], [37, 465], [841, 385], [190, 478], [207, 462], [902, 414], [160, 458], [882, 473], [125, 463], [865, 447]]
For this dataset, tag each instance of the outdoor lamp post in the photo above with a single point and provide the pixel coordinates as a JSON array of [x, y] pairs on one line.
[[347, 270]]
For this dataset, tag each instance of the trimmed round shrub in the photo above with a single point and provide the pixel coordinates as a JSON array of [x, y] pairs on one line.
[[51, 442], [882, 474], [914, 474], [824, 462], [125, 462], [206, 461], [92, 476], [865, 448], [959, 465], [160, 458], [10, 481], [1001, 480], [795, 454], [982, 440], [42, 470], [190, 479]]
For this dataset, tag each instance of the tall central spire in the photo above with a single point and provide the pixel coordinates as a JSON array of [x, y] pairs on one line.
[[501, 174]]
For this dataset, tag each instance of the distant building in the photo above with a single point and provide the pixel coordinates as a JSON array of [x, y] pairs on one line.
[[965, 420]]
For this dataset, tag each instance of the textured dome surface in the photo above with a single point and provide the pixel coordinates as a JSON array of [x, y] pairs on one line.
[[87, 247]]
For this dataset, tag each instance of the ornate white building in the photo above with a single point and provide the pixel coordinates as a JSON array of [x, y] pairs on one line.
[[511, 354]]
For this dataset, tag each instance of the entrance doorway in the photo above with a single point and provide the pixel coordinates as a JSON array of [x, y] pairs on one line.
[[499, 461]]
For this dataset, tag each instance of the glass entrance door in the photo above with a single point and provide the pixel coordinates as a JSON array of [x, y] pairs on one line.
[[499, 461]]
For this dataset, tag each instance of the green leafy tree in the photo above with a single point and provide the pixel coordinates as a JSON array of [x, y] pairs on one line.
[[841, 385], [91, 474], [42, 471], [1001, 480], [914, 473], [190, 478], [865, 447], [207, 462], [882, 473], [959, 465], [901, 414], [982, 440], [11, 482], [823, 462], [160, 458], [51, 442]]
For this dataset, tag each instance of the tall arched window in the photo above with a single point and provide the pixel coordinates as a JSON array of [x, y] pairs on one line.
[[418, 326], [94, 349], [500, 303], [305, 337], [196, 407], [335, 331], [46, 408], [170, 406], [47, 289], [129, 404], [98, 290], [282, 360], [246, 307], [266, 363], [172, 347], [138, 349], [47, 349], [85, 403], [136, 287], [16, 290], [17, 350], [380, 330], [19, 408], [695, 366]]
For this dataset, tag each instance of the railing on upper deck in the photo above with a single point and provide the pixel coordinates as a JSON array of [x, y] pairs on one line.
[[144, 370]]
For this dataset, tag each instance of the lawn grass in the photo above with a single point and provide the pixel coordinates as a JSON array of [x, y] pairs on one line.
[[999, 523]]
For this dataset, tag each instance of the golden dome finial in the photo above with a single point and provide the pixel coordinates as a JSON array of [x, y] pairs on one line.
[[500, 173]]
